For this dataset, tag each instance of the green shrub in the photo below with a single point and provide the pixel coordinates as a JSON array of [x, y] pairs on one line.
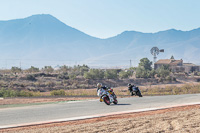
[[141, 72], [163, 71], [111, 74], [16, 70], [31, 77], [33, 69], [63, 76], [48, 69], [57, 93], [50, 84], [15, 93], [72, 76], [123, 74], [173, 79], [168, 78], [7, 93], [94, 74]]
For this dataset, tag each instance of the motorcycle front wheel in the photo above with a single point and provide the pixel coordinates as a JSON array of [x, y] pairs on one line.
[[139, 94], [106, 100]]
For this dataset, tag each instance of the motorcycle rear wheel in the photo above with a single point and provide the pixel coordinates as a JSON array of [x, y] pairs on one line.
[[115, 101], [139, 94]]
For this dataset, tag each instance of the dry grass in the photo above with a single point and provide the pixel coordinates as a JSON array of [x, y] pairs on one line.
[[171, 90]]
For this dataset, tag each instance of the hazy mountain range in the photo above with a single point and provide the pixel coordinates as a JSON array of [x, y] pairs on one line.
[[41, 40]]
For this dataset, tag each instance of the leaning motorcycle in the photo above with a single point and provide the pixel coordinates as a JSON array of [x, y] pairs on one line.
[[135, 91], [108, 96]]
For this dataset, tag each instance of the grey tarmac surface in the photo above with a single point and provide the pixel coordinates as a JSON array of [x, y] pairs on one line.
[[50, 112]]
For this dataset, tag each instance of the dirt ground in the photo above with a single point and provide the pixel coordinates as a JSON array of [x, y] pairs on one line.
[[177, 120]]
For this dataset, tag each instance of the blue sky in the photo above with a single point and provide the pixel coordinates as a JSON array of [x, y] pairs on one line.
[[106, 18]]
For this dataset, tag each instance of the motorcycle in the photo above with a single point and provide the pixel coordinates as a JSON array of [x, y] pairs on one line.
[[107, 96], [135, 91]]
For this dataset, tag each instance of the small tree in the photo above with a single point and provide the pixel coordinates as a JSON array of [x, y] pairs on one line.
[[83, 69], [64, 69], [48, 69], [172, 57], [163, 71], [123, 74], [141, 72], [94, 74], [145, 63], [111, 74], [16, 70], [152, 73], [33, 69]]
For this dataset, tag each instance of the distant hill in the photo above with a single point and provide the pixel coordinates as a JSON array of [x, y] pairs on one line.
[[41, 40]]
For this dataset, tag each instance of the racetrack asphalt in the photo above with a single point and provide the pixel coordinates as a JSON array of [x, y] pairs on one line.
[[64, 111]]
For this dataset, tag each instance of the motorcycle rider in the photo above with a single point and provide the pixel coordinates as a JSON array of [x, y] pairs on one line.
[[130, 88], [134, 90], [99, 87]]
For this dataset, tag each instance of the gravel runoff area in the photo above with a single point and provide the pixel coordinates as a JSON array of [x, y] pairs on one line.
[[177, 120]]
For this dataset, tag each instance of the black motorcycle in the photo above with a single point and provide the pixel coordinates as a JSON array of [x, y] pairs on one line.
[[135, 91]]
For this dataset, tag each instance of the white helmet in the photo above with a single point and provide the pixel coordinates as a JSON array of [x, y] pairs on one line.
[[99, 85]]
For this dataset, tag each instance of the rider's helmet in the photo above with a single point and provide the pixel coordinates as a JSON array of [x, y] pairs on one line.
[[129, 85], [99, 85]]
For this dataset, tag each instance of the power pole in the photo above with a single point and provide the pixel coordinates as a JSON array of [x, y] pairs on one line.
[[6, 64], [20, 65], [130, 64]]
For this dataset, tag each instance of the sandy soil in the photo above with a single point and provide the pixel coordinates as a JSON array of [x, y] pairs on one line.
[[176, 120]]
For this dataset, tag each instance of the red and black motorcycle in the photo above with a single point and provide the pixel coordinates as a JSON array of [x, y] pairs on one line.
[[108, 96]]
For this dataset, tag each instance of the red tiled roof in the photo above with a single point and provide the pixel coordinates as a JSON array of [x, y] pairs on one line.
[[168, 61], [163, 61], [176, 62]]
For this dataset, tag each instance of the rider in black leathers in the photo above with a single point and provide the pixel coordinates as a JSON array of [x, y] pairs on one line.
[[134, 90], [130, 88]]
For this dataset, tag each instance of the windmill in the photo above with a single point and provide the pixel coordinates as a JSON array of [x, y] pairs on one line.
[[155, 51]]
